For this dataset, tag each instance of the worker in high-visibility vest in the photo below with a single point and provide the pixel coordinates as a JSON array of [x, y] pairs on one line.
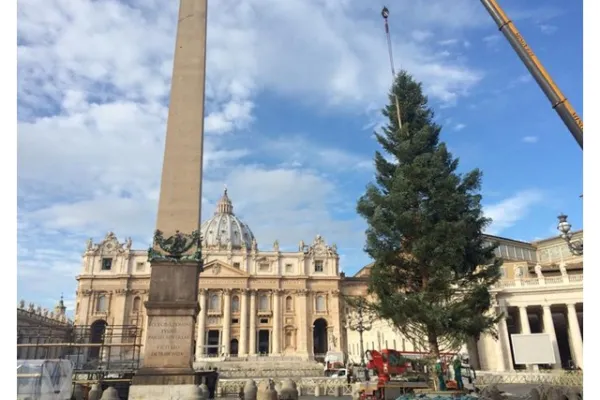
[[439, 371], [457, 366]]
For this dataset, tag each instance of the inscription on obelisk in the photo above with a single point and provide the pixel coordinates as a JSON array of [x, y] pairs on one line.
[[175, 255]]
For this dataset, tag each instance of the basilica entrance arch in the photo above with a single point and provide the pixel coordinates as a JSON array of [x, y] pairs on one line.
[[320, 337], [233, 347], [97, 330]]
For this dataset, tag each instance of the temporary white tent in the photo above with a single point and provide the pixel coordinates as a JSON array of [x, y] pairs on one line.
[[44, 379]]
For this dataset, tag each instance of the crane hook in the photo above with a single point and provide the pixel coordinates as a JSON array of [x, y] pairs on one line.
[[385, 12]]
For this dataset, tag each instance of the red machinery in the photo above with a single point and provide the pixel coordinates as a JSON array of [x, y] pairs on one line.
[[386, 364], [396, 373]]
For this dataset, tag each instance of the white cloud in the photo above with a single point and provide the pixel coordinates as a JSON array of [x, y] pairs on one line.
[[548, 29], [459, 127], [304, 153], [530, 139], [508, 212], [421, 36], [492, 41], [448, 42]]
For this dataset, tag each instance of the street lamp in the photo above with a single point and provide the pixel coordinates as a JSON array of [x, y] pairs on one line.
[[360, 320], [575, 245]]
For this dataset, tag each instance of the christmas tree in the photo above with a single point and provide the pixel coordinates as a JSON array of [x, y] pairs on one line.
[[432, 267]]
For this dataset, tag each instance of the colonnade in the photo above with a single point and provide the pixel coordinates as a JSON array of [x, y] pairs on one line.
[[245, 318], [504, 357]]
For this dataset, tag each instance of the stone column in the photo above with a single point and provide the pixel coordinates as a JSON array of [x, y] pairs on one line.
[[505, 361], [526, 329], [303, 344], [276, 322], [243, 349], [335, 310], [201, 333], [252, 331], [226, 320], [549, 329], [575, 336]]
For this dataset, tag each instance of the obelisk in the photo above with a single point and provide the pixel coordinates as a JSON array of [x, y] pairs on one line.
[[175, 257]]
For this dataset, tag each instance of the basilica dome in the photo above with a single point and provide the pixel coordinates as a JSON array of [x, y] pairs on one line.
[[224, 230]]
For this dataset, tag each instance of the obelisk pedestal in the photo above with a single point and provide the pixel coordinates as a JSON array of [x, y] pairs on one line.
[[175, 256]]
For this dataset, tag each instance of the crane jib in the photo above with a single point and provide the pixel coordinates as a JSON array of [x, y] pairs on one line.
[[559, 102]]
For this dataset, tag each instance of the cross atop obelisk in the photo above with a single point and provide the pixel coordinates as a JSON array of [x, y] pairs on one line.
[[167, 371]]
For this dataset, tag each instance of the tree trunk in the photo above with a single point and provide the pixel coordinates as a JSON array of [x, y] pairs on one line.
[[434, 347], [473, 353], [434, 350]]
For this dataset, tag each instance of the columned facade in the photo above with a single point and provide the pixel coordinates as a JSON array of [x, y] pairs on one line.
[[270, 303]]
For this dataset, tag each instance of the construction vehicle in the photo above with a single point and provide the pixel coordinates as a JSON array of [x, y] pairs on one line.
[[395, 373], [559, 102], [334, 361]]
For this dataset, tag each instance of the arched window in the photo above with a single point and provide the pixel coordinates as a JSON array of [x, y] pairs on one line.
[[102, 303], [289, 303], [321, 306], [235, 304], [263, 302], [214, 303], [136, 304]]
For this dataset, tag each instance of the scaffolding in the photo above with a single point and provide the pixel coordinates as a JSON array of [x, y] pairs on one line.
[[100, 353]]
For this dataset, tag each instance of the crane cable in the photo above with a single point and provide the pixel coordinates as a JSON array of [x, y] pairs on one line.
[[385, 13]]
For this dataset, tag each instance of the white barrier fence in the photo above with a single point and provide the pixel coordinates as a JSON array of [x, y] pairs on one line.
[[322, 386]]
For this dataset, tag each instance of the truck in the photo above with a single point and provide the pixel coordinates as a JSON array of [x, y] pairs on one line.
[[334, 362]]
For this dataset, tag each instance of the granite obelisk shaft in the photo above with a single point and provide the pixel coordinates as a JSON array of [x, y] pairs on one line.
[[172, 305], [181, 185]]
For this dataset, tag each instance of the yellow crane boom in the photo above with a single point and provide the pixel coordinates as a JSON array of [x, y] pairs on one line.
[[559, 102]]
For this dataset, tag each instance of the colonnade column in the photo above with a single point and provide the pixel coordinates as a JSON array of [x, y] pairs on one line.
[[526, 329], [505, 355], [276, 321], [243, 349], [201, 324], [226, 321], [575, 335], [549, 329], [252, 331]]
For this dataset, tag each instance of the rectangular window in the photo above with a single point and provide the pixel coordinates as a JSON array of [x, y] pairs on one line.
[[235, 321], [140, 266], [236, 265], [263, 266], [264, 320], [106, 264], [289, 268], [318, 265]]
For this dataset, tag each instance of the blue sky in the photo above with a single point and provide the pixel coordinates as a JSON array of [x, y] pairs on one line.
[[294, 91]]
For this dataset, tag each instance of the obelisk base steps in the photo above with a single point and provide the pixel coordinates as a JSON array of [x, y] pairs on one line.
[[165, 392], [165, 376]]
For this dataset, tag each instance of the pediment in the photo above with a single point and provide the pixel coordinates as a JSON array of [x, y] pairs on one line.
[[219, 268]]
